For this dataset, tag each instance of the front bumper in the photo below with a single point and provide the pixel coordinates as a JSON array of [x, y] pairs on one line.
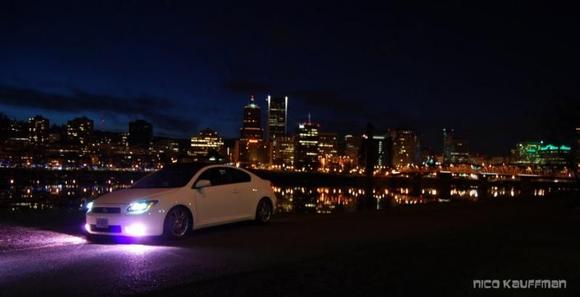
[[122, 224]]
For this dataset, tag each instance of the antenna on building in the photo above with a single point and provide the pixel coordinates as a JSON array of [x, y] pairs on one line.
[[309, 118]]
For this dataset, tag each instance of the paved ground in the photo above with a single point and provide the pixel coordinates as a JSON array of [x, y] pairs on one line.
[[432, 250]]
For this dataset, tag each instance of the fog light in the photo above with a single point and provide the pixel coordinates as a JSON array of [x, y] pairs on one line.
[[135, 230], [88, 227]]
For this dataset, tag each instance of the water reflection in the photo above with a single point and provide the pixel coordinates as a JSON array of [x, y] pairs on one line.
[[332, 199], [73, 193]]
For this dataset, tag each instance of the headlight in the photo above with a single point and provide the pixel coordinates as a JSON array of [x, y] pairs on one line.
[[89, 206], [139, 207]]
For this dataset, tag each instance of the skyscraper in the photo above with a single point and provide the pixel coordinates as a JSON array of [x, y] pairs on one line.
[[277, 117], [283, 151], [79, 130], [455, 149], [306, 148], [352, 148], [252, 124], [252, 150], [38, 129], [328, 145], [404, 147], [447, 144], [140, 134], [381, 152], [328, 150]]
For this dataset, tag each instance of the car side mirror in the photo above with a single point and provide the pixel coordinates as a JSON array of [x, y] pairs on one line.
[[202, 183]]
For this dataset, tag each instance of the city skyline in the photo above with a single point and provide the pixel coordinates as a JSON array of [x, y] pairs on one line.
[[458, 65], [293, 129]]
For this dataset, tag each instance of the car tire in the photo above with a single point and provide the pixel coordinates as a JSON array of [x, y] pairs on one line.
[[264, 211], [177, 223]]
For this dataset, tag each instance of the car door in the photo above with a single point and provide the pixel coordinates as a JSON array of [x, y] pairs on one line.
[[243, 200], [214, 201]]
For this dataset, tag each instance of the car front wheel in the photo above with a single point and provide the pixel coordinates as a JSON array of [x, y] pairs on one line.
[[177, 223]]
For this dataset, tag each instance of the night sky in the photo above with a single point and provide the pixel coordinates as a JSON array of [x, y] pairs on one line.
[[497, 73]]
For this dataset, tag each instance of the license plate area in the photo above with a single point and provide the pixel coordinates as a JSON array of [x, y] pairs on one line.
[[102, 223]]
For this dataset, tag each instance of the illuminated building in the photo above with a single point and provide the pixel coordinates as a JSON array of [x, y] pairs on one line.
[[231, 150], [526, 153], [125, 139], [404, 147], [109, 141], [328, 149], [253, 153], [252, 149], [455, 150], [276, 131], [164, 145], [283, 151], [38, 129], [140, 134], [537, 153], [374, 151], [555, 156], [460, 153], [251, 126], [381, 144], [207, 140], [352, 147], [167, 150], [327, 144], [79, 130], [306, 148], [277, 117]]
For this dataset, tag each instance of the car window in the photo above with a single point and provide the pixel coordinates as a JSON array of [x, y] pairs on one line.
[[217, 176], [238, 176], [224, 175], [171, 176]]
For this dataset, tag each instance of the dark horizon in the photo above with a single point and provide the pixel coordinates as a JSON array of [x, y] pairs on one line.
[[497, 74]]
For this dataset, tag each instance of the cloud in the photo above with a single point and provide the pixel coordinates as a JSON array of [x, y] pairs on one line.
[[159, 111]]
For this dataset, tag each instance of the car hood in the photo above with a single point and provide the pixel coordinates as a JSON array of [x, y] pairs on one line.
[[127, 196]]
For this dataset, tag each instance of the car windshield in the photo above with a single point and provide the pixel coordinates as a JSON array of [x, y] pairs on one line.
[[171, 176]]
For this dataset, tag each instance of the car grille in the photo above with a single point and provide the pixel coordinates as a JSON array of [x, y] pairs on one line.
[[109, 229], [106, 210]]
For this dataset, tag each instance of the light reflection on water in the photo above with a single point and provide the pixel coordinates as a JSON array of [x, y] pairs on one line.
[[73, 195], [332, 199]]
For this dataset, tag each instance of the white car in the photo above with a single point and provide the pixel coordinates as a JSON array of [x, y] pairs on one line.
[[182, 197]]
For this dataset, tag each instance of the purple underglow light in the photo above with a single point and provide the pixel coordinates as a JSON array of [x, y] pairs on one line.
[[135, 230]]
